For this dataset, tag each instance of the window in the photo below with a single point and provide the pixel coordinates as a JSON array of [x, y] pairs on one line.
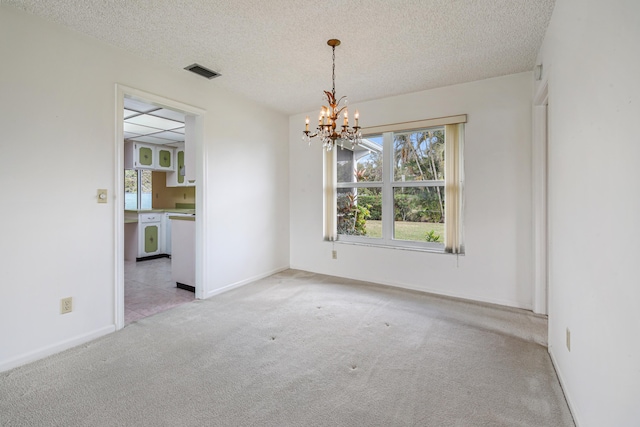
[[135, 180], [401, 187]]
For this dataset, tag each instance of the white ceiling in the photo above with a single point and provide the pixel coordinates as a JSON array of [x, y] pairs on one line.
[[275, 51]]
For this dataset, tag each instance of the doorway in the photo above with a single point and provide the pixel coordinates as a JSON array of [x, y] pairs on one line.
[[148, 126]]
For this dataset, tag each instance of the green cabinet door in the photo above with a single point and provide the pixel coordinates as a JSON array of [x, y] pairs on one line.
[[180, 163], [164, 157], [151, 239], [145, 156]]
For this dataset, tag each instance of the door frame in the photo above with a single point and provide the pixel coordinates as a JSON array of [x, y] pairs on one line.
[[540, 181], [123, 91]]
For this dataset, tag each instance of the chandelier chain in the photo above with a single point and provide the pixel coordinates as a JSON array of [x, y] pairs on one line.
[[333, 75]]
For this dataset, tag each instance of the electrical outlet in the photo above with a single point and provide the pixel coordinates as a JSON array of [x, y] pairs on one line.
[[568, 339], [66, 305], [334, 254]]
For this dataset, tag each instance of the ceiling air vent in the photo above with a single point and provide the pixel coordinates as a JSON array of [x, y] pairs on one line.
[[202, 71]]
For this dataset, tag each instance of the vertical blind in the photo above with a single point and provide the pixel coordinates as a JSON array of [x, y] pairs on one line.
[[330, 204], [453, 135]]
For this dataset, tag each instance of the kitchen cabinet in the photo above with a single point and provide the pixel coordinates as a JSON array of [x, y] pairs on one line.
[[150, 234], [178, 177], [165, 158], [138, 155]]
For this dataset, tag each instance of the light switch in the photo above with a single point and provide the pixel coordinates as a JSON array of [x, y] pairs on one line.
[[102, 195]]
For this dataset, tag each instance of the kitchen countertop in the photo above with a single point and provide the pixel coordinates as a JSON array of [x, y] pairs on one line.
[[183, 218], [131, 215], [162, 210]]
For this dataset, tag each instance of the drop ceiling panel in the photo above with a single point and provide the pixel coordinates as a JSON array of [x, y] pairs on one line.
[[142, 107], [173, 136], [130, 113], [141, 130], [165, 127], [152, 140], [154, 122], [169, 114]]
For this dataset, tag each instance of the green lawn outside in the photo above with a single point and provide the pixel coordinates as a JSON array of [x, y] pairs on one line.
[[405, 230]]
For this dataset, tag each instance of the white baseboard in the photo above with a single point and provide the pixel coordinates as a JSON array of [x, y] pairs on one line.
[[243, 282], [457, 295], [567, 397], [23, 359]]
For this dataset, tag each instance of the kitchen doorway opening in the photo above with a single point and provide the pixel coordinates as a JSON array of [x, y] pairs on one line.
[[159, 182]]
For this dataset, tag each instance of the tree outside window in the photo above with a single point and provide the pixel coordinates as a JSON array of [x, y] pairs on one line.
[[137, 189], [392, 187]]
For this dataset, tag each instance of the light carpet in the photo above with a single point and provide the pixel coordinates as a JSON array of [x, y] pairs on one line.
[[301, 349]]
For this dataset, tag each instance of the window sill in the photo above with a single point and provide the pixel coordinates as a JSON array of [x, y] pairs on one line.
[[398, 247]]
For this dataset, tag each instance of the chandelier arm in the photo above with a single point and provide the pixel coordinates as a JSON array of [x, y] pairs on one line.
[[331, 97]]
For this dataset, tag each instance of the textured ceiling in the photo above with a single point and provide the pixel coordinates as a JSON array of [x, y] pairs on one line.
[[275, 51]]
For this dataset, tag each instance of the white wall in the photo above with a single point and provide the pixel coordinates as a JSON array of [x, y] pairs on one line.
[[592, 62], [57, 116], [497, 215]]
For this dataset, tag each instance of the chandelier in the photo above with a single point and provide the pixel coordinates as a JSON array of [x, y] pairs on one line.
[[328, 120]]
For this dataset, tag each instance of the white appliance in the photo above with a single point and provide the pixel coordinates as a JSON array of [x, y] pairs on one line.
[[183, 260]]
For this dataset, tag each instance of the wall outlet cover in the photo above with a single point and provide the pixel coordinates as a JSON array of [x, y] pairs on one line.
[[66, 305]]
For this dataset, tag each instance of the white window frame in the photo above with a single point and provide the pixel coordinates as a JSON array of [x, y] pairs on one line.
[[139, 189], [388, 184]]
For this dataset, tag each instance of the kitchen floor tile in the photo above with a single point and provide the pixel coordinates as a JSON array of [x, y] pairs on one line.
[[148, 289]]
